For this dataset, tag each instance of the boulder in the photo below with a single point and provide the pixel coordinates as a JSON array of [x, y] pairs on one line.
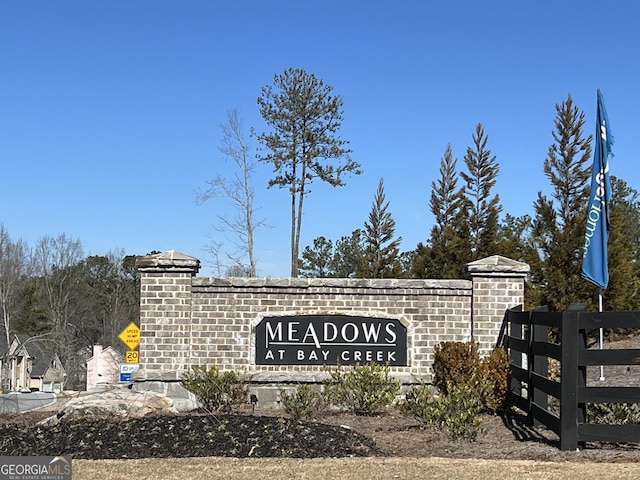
[[118, 401]]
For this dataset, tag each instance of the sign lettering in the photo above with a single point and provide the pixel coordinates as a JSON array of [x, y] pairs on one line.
[[131, 356], [330, 340], [130, 336]]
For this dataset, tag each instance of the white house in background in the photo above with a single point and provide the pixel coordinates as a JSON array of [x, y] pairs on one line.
[[103, 367], [26, 365]]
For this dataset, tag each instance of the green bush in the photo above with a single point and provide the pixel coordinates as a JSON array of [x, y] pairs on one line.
[[614, 413], [417, 402], [305, 403], [457, 413], [362, 389], [467, 386], [214, 390]]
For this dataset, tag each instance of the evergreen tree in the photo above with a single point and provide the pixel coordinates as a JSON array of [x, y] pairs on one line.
[[483, 209], [305, 117], [382, 248], [349, 255], [560, 221], [514, 240], [448, 247], [344, 258], [623, 291], [316, 262]]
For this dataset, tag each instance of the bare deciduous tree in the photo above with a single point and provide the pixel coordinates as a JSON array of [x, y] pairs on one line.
[[239, 190], [57, 261], [14, 270]]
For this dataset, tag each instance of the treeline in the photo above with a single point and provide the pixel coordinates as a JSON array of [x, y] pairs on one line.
[[468, 226], [68, 301], [65, 300]]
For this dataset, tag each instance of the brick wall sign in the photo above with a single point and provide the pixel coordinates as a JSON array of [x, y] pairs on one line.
[[330, 340]]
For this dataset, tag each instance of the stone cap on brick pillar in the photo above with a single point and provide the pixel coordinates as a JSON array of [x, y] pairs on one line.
[[497, 266], [169, 261]]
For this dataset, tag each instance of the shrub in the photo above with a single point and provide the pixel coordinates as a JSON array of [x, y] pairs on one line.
[[458, 363], [614, 413], [362, 389], [496, 379], [214, 390], [467, 386], [305, 403], [457, 413], [417, 401], [455, 363]]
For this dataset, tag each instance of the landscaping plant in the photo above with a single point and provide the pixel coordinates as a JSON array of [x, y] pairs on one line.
[[466, 386], [362, 389], [215, 390], [306, 402]]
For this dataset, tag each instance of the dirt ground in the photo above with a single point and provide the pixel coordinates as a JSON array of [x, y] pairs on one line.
[[265, 435], [392, 447]]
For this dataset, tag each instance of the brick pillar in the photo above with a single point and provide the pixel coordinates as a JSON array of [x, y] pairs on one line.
[[165, 311], [497, 285]]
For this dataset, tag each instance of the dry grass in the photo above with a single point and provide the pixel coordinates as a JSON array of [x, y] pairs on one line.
[[348, 468]]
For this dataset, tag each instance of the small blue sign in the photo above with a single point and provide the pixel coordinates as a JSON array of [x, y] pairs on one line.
[[125, 377]]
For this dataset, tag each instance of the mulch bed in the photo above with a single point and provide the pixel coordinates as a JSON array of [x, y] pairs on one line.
[[183, 436], [254, 435], [266, 434]]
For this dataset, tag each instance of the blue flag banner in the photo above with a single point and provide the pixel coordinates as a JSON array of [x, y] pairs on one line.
[[595, 266]]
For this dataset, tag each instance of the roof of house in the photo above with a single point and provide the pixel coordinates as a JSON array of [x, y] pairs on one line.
[[41, 358], [111, 352]]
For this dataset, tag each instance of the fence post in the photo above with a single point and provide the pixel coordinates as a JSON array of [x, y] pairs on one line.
[[581, 408], [517, 357], [569, 381], [539, 363]]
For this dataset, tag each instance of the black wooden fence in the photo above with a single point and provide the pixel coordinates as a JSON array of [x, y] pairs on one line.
[[534, 389]]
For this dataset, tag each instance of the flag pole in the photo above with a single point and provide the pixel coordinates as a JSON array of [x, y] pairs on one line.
[[595, 266], [601, 334]]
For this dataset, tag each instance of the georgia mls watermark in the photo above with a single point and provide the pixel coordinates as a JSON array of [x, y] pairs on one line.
[[35, 468]]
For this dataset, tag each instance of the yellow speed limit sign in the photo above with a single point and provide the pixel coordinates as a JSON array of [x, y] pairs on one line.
[[132, 356]]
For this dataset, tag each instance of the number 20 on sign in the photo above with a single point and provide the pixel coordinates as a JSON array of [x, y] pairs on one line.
[[132, 356]]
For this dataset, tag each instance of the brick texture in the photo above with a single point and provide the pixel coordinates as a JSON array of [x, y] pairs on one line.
[[188, 321]]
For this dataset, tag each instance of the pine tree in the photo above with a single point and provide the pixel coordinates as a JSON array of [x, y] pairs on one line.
[[623, 290], [382, 248], [560, 221], [448, 246], [483, 209], [349, 255], [303, 145], [316, 262], [514, 240]]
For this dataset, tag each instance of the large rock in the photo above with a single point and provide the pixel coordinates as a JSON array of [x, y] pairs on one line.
[[165, 383], [118, 401]]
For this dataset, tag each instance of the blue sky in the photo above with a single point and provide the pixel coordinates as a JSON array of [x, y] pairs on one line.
[[110, 111]]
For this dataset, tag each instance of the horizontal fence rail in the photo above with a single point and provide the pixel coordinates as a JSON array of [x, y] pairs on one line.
[[547, 373]]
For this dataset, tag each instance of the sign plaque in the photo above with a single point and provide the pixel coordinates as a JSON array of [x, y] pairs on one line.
[[330, 340]]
